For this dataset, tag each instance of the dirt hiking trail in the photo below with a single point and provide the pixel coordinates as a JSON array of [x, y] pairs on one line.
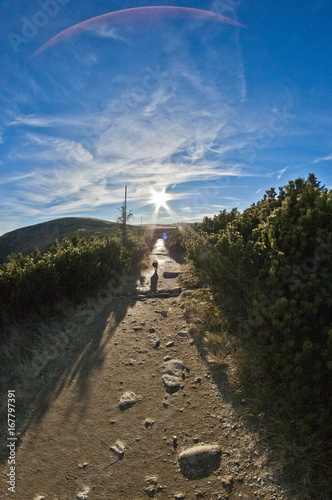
[[139, 415]]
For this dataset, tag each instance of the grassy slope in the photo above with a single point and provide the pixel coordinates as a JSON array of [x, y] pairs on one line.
[[26, 239]]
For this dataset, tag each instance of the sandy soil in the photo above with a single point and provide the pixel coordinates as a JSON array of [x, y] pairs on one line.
[[68, 454]]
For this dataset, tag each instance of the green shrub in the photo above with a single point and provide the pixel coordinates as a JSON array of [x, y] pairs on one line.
[[71, 270], [270, 269], [175, 242]]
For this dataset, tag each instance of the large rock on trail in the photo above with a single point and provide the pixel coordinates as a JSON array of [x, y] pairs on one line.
[[199, 461], [172, 372]]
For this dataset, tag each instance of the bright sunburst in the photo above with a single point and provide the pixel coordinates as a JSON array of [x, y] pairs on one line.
[[160, 198]]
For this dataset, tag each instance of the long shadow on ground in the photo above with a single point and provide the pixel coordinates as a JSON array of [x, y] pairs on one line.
[[76, 358]]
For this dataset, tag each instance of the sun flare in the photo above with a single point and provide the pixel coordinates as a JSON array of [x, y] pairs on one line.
[[160, 198]]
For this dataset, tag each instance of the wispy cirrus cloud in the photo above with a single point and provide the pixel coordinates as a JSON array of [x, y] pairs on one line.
[[324, 158], [106, 31], [155, 144], [174, 121]]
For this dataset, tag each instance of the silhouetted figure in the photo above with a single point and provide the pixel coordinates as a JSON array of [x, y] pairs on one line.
[[154, 277]]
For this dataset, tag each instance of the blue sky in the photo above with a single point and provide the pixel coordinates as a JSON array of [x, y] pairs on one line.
[[209, 113]]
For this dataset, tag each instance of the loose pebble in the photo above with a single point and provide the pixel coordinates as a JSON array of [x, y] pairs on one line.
[[154, 341], [148, 423], [118, 449], [83, 495], [127, 400]]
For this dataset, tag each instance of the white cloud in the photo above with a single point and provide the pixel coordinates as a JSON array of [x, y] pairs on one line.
[[325, 158], [39, 121], [281, 173], [106, 31], [171, 136], [10, 178]]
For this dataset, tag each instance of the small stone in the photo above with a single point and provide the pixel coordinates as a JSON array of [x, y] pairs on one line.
[[179, 496], [83, 495], [112, 422], [152, 330], [148, 423], [164, 314], [83, 466], [170, 344], [175, 441], [198, 380], [118, 449], [40, 497], [165, 405], [167, 358], [152, 487], [199, 461], [182, 334], [137, 328], [154, 341], [228, 483], [127, 400]]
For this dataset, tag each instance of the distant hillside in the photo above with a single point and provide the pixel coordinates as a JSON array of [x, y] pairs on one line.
[[42, 235]]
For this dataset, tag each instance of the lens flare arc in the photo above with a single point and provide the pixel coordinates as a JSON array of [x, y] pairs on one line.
[[138, 14]]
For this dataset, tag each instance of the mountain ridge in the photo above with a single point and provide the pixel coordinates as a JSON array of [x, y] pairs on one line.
[[26, 239], [41, 235]]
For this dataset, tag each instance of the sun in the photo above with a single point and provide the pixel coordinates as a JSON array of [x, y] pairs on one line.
[[160, 198]]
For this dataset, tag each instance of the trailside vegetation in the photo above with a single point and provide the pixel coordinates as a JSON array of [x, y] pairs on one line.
[[270, 271], [175, 244], [73, 269]]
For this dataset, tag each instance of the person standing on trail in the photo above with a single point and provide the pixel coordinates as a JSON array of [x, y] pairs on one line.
[[154, 277]]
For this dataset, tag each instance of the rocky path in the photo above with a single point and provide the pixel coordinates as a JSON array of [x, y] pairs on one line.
[[143, 419]]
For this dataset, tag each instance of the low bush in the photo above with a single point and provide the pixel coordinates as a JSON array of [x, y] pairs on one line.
[[270, 270], [72, 270]]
